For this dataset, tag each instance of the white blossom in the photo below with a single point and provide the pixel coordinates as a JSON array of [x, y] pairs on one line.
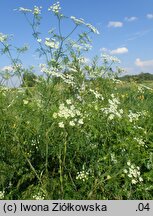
[[134, 181], [125, 171], [3, 37], [55, 8], [70, 113], [140, 141], [133, 173], [37, 10], [7, 68], [38, 196], [54, 115], [129, 163], [61, 124], [112, 110], [67, 78], [25, 10], [134, 116], [80, 121], [77, 21], [82, 175], [92, 28], [96, 94], [68, 101], [39, 40], [72, 123], [52, 43], [25, 102], [108, 58]]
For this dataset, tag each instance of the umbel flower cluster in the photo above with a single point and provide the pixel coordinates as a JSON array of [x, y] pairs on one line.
[[112, 110], [133, 117], [68, 113], [133, 173], [82, 175], [55, 8]]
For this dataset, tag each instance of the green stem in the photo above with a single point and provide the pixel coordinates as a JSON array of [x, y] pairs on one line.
[[61, 176], [35, 33], [62, 40]]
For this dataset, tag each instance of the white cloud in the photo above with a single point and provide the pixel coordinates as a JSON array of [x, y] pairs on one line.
[[130, 19], [120, 50], [149, 16], [144, 64], [115, 24]]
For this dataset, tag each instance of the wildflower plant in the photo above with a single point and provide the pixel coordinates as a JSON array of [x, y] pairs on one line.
[[56, 47]]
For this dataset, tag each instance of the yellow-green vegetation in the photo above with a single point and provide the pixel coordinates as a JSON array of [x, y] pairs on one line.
[[76, 132], [91, 144]]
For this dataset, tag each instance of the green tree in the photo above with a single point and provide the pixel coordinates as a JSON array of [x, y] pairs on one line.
[[28, 79]]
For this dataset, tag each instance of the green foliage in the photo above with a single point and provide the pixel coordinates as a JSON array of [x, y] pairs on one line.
[[139, 78], [78, 133], [28, 80], [106, 156]]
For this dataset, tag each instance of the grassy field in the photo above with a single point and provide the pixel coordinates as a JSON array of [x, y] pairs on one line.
[[148, 84]]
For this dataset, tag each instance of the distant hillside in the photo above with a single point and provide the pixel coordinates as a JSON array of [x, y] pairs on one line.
[[139, 77]]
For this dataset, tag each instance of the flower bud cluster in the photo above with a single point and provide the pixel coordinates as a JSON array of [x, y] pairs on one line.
[[55, 8], [37, 10], [82, 175]]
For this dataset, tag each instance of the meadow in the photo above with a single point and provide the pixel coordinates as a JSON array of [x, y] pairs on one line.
[[77, 132]]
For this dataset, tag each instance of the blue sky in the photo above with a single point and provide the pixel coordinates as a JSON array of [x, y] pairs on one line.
[[125, 26]]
